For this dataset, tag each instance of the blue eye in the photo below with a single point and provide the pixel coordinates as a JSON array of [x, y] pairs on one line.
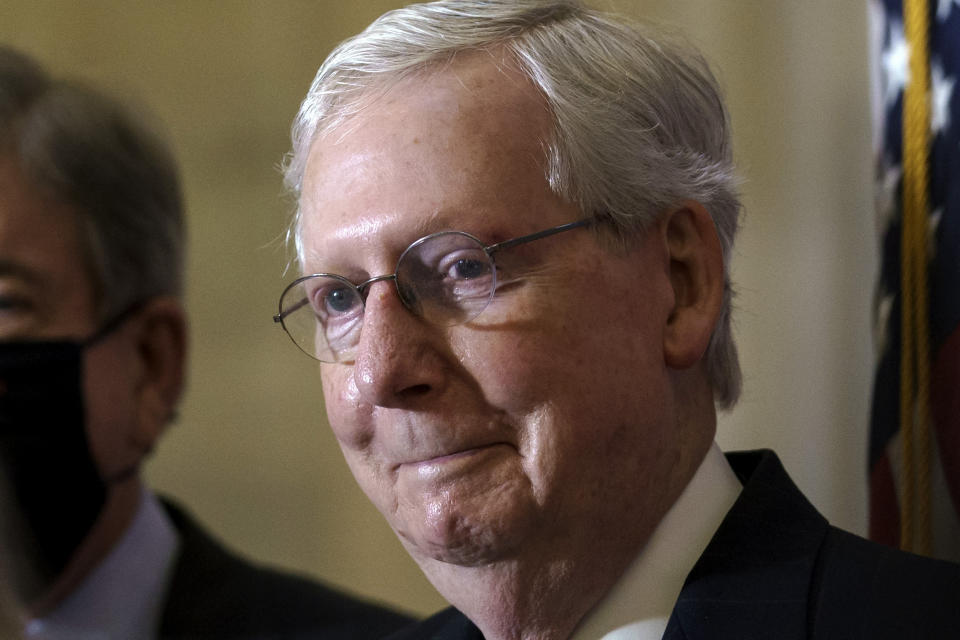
[[340, 300], [466, 269], [332, 299], [462, 263]]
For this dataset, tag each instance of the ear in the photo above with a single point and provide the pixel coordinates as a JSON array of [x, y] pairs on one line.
[[161, 342], [696, 275]]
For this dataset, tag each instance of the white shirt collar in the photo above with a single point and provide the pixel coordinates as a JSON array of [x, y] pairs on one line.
[[639, 605], [123, 596]]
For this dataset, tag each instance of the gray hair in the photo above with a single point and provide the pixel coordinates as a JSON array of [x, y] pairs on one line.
[[86, 151], [639, 121]]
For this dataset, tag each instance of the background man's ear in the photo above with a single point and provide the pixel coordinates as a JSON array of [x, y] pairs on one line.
[[696, 274], [162, 353]]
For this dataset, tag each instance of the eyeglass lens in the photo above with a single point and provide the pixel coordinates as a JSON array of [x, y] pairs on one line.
[[446, 278]]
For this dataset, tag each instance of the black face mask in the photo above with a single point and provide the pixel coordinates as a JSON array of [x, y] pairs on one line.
[[44, 453], [54, 489]]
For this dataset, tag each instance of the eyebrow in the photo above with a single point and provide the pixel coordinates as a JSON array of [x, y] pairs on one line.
[[443, 220], [438, 220]]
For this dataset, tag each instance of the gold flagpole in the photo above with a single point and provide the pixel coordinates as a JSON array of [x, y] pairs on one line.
[[915, 344]]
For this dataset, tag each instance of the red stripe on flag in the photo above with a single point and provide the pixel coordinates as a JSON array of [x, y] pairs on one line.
[[945, 409]]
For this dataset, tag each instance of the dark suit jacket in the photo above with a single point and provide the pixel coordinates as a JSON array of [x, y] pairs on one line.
[[214, 594], [775, 569]]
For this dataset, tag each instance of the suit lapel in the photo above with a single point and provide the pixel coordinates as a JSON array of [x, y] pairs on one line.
[[754, 577]]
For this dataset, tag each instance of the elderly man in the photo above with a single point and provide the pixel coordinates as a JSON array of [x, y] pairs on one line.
[[516, 217], [93, 344]]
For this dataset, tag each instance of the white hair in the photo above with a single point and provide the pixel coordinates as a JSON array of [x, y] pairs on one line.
[[639, 124]]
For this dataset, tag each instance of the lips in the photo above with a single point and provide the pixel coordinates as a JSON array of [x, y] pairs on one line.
[[455, 462], [449, 457], [415, 440]]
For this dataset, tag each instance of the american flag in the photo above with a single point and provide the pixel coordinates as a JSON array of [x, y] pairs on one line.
[[893, 52]]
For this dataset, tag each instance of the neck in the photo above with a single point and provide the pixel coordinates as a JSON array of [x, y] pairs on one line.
[[123, 499], [532, 598], [549, 587]]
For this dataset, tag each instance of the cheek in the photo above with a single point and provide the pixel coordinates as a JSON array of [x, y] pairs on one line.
[[580, 327], [508, 371], [352, 426], [556, 361], [350, 419], [580, 384]]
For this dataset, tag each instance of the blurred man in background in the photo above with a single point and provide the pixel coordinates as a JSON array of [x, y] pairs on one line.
[[11, 622], [93, 346], [11, 610]]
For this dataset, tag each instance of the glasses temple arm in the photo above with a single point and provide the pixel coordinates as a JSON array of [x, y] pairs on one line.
[[506, 244], [283, 314]]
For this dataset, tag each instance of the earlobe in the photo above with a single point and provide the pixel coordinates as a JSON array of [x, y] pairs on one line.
[[161, 350], [696, 275]]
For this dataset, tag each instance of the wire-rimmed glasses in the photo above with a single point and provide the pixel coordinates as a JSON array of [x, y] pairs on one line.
[[446, 278]]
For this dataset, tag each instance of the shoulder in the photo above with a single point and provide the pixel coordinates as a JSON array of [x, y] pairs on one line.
[[850, 587], [215, 593], [448, 624], [870, 590]]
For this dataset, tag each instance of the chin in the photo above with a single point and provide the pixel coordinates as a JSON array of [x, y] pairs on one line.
[[464, 539]]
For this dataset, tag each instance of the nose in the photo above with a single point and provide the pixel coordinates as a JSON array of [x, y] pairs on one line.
[[399, 360]]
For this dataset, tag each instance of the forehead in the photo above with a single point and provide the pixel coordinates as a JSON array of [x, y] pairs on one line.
[[42, 258], [458, 147]]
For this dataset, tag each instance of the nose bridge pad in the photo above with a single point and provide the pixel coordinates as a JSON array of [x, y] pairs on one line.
[[405, 292], [385, 363], [408, 295]]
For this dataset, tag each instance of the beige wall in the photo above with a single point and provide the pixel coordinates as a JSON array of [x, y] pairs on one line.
[[251, 453]]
